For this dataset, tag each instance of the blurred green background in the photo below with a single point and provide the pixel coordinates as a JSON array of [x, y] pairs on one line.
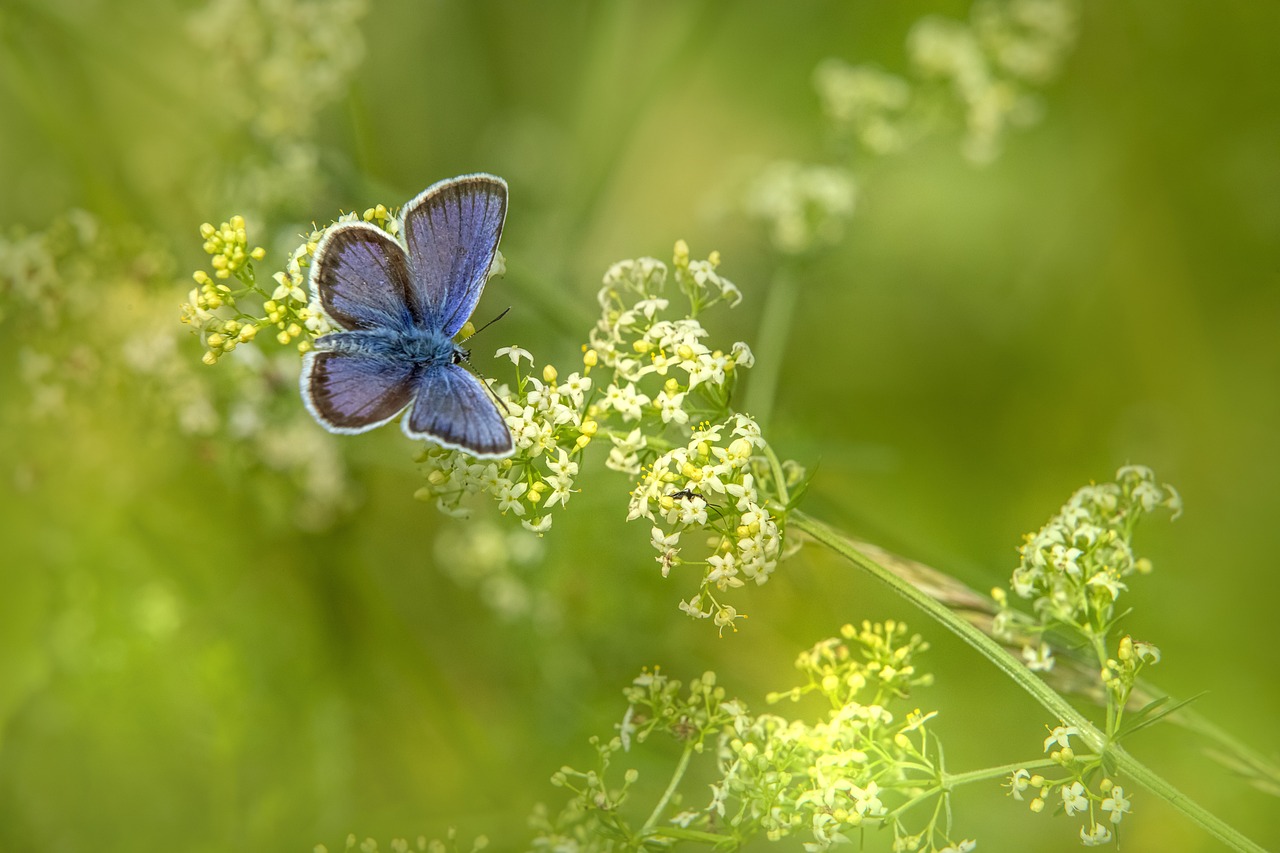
[[217, 634]]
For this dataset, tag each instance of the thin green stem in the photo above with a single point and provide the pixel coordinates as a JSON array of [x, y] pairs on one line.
[[771, 342], [676, 776], [779, 477], [954, 780], [1024, 678]]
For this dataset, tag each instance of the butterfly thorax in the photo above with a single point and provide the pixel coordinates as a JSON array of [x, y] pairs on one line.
[[419, 346]]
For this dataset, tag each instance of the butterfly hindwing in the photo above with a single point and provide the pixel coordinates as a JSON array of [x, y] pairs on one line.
[[362, 278], [452, 408], [350, 393], [452, 231]]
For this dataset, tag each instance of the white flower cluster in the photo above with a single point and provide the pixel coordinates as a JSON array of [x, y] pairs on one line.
[[1075, 793], [553, 421], [278, 62], [831, 779], [636, 341], [865, 101], [987, 65], [656, 387], [271, 67], [989, 62], [719, 483], [1075, 567], [803, 206]]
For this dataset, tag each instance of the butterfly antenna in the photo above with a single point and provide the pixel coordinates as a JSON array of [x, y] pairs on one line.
[[488, 324]]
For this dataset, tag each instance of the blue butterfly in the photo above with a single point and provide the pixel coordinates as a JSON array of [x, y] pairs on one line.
[[399, 307]]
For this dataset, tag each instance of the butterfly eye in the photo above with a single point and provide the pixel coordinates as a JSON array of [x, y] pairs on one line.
[[460, 355]]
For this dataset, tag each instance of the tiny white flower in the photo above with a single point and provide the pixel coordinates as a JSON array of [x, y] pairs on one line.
[[575, 388], [1065, 559], [692, 609], [960, 846], [515, 354], [671, 407], [1038, 659], [1149, 495], [627, 402], [692, 511], [1104, 580], [537, 525], [1019, 782], [723, 571], [1146, 652], [1061, 735], [743, 493], [866, 800], [652, 305], [1096, 836], [560, 490], [1117, 804], [509, 495], [661, 540], [1073, 798], [705, 368]]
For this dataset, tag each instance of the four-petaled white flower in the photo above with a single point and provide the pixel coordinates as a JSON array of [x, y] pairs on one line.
[[627, 402], [1074, 799], [509, 495], [866, 800], [1116, 803], [1065, 559]]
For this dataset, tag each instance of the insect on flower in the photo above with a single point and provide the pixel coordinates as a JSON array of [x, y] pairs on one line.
[[399, 307]]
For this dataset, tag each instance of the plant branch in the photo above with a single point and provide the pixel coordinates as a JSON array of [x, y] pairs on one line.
[[1024, 678]]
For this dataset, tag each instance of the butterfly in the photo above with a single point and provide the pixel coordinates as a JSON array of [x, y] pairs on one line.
[[398, 307]]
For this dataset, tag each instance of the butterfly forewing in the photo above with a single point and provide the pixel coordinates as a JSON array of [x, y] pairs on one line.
[[362, 277], [452, 231], [454, 409], [352, 393]]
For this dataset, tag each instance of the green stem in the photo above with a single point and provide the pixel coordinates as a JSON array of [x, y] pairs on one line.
[[1024, 678], [771, 342], [953, 780], [779, 478], [681, 767]]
